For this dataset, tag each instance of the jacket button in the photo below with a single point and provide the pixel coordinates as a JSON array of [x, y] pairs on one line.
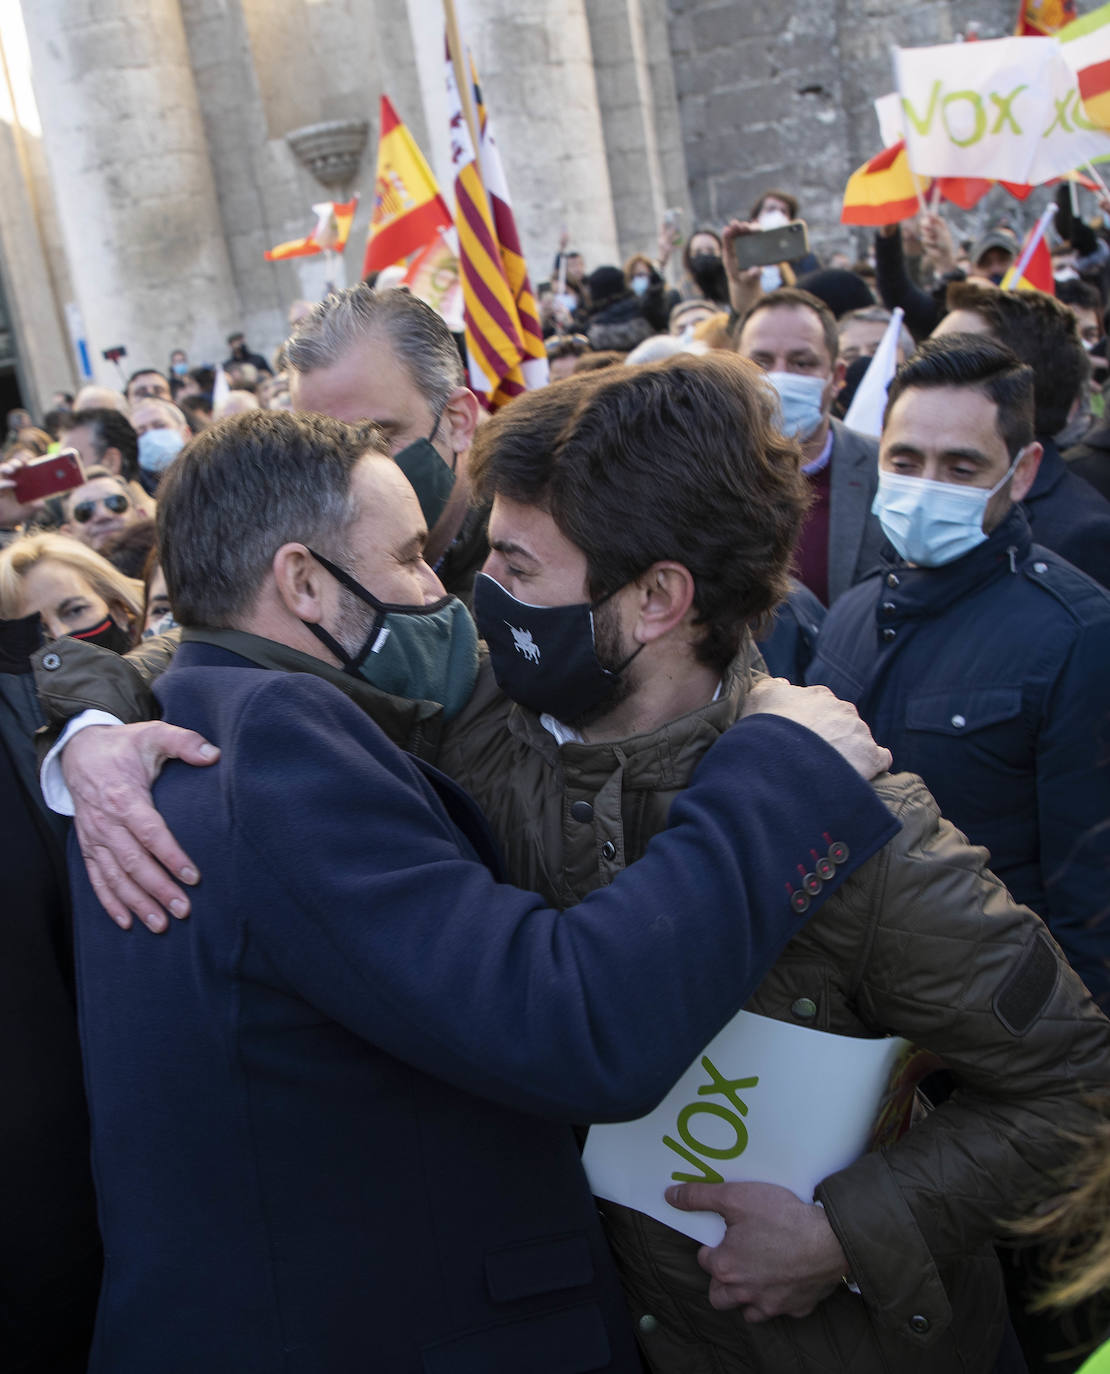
[[919, 1324], [825, 868], [889, 633], [893, 580], [888, 608], [50, 662], [959, 722], [805, 1008], [1040, 567], [838, 852], [647, 1324], [812, 884], [800, 902], [582, 811], [608, 850]]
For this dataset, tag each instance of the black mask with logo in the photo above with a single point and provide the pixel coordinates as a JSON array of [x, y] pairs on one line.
[[544, 657], [430, 477]]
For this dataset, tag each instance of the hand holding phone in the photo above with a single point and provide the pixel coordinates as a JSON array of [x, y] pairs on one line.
[[48, 476], [764, 247]]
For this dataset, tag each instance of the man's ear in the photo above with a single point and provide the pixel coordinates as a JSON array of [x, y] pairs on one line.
[[665, 596], [300, 583], [460, 419], [840, 371], [1025, 474], [113, 461]]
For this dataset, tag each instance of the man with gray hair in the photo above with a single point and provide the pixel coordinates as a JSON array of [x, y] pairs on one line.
[[386, 356]]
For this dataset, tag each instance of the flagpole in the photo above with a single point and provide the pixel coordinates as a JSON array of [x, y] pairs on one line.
[[1095, 177], [1031, 247], [462, 76]]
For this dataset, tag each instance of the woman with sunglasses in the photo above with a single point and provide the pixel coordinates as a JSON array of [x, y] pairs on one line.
[[102, 506], [71, 588]]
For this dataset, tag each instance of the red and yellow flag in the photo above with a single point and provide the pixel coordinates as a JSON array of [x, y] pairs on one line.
[[502, 331], [408, 209], [333, 225], [883, 191], [1085, 46], [1043, 18], [1032, 270]]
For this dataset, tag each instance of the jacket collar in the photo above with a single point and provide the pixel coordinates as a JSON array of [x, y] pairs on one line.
[[412, 725], [929, 591], [1051, 470], [661, 758]]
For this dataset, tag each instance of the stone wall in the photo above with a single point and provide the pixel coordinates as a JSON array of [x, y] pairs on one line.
[[780, 95]]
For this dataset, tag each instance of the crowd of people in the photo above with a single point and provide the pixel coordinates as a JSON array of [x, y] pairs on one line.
[[498, 761]]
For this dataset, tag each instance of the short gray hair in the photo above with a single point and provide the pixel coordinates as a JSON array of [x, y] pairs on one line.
[[243, 488], [421, 340]]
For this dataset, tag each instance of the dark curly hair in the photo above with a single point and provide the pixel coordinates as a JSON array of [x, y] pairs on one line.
[[679, 460]]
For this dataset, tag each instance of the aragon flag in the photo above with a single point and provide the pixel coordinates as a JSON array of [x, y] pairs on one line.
[[495, 332], [333, 225], [408, 208], [1085, 46]]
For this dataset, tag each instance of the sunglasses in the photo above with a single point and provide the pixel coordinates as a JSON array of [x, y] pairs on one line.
[[117, 503]]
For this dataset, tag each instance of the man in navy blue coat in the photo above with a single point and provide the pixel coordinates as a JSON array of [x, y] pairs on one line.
[[329, 1111], [981, 658]]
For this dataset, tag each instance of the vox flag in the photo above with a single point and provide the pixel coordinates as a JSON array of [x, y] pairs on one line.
[[408, 209], [332, 227], [1086, 49]]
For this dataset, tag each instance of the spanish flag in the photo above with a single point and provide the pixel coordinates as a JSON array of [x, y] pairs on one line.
[[408, 208], [1085, 46], [333, 225], [1043, 18], [494, 330], [884, 190], [1033, 269]]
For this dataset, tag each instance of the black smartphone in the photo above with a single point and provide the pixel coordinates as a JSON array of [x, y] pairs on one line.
[[783, 244]]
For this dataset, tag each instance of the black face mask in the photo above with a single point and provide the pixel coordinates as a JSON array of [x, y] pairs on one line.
[[544, 657], [107, 635], [430, 477], [708, 272]]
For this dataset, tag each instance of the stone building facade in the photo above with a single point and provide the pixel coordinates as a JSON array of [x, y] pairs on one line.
[[146, 164]]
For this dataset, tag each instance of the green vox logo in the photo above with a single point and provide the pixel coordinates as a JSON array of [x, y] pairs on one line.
[[696, 1151]]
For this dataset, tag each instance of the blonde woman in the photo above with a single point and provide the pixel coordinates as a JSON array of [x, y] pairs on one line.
[[72, 589]]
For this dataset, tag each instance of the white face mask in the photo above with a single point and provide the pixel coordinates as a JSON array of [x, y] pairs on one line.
[[772, 219], [802, 402], [933, 523]]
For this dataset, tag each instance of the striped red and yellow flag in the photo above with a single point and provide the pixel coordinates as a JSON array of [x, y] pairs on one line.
[[331, 230], [533, 365], [408, 211], [1086, 49], [495, 333]]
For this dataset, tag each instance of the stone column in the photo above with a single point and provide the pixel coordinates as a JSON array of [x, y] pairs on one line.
[[132, 179]]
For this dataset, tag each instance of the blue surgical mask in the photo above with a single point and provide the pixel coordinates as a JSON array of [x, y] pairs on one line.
[[640, 284], [933, 523], [802, 402], [158, 448], [422, 653]]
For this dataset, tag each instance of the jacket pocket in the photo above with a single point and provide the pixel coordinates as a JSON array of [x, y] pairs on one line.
[[545, 1266], [572, 1341], [961, 711]]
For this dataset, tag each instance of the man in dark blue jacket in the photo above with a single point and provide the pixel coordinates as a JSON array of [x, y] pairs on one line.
[[328, 1110], [981, 659]]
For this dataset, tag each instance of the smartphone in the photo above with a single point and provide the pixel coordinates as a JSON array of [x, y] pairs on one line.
[[48, 476], [784, 244]]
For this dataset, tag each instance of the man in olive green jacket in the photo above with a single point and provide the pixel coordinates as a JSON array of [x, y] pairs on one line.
[[641, 522]]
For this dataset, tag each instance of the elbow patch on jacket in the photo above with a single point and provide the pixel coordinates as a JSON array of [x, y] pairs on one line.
[[1028, 988]]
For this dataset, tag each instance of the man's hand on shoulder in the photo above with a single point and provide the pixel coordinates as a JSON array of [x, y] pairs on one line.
[[779, 1256], [128, 851], [837, 722]]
